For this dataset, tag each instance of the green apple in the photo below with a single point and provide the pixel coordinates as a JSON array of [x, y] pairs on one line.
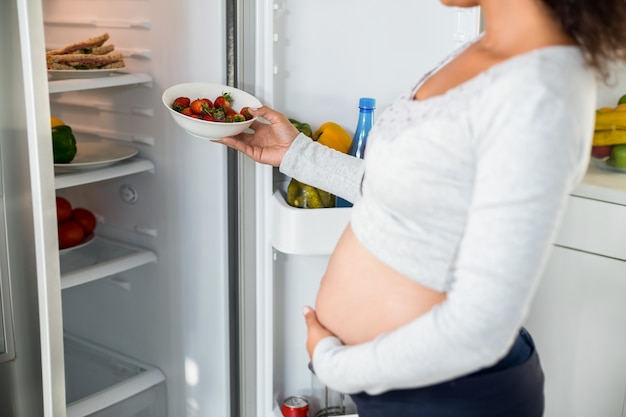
[[618, 156]]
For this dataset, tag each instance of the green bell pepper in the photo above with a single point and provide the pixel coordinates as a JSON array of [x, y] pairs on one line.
[[63, 144]]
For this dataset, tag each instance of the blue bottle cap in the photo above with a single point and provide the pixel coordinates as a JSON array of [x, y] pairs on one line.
[[367, 103]]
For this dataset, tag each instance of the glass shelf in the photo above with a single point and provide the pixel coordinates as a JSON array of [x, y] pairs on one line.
[[115, 80], [119, 169], [100, 259]]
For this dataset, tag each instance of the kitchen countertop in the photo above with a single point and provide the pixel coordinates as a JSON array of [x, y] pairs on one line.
[[602, 185]]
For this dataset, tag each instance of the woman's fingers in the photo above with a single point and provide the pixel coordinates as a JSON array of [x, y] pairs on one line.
[[315, 330]]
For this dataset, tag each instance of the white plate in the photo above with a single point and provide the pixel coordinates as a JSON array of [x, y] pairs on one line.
[[606, 165], [94, 73], [90, 155], [85, 242]]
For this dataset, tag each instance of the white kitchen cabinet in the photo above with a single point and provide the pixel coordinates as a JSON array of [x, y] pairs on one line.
[[578, 321], [578, 317]]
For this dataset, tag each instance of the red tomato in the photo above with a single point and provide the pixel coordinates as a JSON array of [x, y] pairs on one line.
[[64, 209], [85, 218], [70, 234]]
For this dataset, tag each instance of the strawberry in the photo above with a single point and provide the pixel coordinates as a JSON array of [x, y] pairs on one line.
[[201, 106], [246, 113], [208, 117], [224, 100], [239, 118], [219, 114], [180, 103]]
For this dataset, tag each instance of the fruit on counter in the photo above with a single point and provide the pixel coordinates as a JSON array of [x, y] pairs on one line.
[[618, 156], [334, 136], [601, 152], [64, 210], [85, 218], [63, 144], [611, 119], [609, 137], [302, 127], [610, 125]]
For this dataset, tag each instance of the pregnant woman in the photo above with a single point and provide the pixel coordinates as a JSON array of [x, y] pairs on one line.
[[456, 205]]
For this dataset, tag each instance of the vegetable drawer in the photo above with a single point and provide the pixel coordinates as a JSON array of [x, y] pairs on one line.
[[103, 383]]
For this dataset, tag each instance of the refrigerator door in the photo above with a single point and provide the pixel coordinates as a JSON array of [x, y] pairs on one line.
[[314, 61], [31, 361]]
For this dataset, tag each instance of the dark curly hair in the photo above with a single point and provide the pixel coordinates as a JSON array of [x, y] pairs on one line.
[[598, 26]]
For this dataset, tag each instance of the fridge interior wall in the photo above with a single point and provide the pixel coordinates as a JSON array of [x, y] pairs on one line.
[[173, 313], [326, 55]]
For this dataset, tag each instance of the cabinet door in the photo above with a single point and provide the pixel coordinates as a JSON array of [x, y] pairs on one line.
[[578, 321]]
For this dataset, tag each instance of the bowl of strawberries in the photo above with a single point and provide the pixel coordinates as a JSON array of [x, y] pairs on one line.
[[210, 111]]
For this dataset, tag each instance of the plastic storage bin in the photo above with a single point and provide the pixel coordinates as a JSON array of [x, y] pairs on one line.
[[103, 383]]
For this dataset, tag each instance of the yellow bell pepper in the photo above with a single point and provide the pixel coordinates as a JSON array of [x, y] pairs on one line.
[[334, 136]]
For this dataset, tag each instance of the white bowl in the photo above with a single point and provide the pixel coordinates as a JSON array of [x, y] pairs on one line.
[[201, 128]]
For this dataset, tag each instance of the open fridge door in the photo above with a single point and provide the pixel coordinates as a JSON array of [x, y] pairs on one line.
[[314, 61], [31, 358]]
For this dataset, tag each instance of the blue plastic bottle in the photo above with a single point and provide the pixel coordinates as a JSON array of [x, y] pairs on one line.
[[359, 141]]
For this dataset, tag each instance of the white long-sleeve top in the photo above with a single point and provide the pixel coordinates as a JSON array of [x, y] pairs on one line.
[[462, 193]]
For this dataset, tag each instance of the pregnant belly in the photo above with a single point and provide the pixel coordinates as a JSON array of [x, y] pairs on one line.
[[360, 297]]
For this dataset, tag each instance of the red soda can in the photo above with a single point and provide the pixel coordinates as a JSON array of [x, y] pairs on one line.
[[295, 406]]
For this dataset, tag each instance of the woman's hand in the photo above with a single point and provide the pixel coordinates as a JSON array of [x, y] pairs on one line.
[[315, 330], [269, 142]]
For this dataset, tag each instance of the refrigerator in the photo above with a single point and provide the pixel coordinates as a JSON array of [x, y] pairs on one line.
[[187, 302]]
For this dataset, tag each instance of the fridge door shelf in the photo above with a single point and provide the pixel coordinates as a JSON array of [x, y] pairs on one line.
[[117, 80], [119, 169], [277, 412], [306, 231], [102, 258], [103, 383]]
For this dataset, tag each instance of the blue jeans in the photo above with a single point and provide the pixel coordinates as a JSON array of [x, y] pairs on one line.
[[513, 387]]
